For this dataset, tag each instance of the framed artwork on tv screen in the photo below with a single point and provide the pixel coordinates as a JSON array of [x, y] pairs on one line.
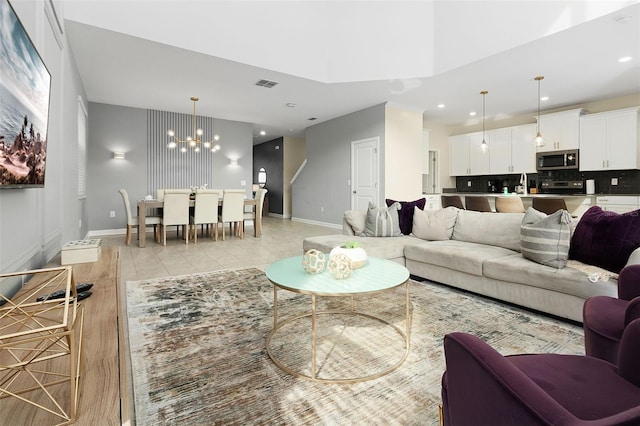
[[25, 88]]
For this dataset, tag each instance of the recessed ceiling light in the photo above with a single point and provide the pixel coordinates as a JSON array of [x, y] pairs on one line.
[[624, 59], [472, 113], [544, 98], [291, 105], [440, 105], [623, 19], [262, 133]]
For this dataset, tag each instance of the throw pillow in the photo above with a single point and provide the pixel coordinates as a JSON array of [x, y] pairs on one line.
[[606, 239], [406, 213], [382, 222], [434, 225], [545, 238], [356, 219]]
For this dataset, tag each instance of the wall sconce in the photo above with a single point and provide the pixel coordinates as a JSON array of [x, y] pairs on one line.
[[233, 161], [262, 177], [118, 155]]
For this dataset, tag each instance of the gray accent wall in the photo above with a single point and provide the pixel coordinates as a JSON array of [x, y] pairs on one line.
[[322, 192], [35, 223], [124, 129]]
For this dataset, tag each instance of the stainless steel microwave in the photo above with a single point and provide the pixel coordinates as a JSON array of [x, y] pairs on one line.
[[558, 160]]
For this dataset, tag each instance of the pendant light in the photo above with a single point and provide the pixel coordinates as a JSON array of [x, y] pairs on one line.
[[484, 147], [539, 139]]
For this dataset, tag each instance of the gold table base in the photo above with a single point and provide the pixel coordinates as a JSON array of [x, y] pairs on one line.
[[406, 337]]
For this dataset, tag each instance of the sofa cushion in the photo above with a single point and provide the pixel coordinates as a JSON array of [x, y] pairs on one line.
[[457, 255], [382, 222], [495, 229], [356, 219], [517, 269], [434, 225], [545, 238], [605, 238], [406, 212]]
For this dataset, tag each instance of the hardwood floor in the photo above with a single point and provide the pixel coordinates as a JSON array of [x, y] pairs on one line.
[[103, 381]]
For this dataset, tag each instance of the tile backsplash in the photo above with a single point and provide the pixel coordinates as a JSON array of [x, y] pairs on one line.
[[628, 181]]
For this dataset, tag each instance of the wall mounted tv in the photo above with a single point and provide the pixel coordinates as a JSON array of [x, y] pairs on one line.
[[25, 88]]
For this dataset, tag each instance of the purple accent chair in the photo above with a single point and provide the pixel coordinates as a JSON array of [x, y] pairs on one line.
[[482, 387], [605, 318]]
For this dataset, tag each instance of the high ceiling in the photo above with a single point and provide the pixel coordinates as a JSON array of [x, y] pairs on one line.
[[334, 57]]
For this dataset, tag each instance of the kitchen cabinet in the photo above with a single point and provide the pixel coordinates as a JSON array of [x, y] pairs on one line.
[[618, 203], [560, 130], [466, 157], [513, 150], [609, 140]]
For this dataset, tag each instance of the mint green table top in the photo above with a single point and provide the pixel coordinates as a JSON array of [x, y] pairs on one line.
[[377, 274]]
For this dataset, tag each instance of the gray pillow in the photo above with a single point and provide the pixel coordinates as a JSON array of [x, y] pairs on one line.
[[356, 219], [434, 225], [383, 221], [545, 239]]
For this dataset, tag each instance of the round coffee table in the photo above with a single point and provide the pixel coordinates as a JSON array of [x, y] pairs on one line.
[[376, 276]]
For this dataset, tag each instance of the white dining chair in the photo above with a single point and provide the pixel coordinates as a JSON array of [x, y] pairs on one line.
[[175, 211], [205, 212], [133, 220], [256, 214], [233, 211]]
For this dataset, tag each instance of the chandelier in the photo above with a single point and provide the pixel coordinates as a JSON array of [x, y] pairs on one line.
[[195, 141]]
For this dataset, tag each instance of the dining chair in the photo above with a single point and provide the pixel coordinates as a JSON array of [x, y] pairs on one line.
[[451, 200], [205, 212], [133, 220], [160, 194], [509, 204], [175, 212], [548, 205], [477, 203], [256, 214], [233, 211]]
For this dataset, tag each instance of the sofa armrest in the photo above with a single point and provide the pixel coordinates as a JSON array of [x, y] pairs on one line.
[[479, 383], [629, 282]]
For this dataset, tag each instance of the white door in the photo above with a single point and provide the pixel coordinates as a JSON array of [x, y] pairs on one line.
[[364, 173]]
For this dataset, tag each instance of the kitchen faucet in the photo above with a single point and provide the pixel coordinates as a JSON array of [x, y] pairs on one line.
[[523, 182]]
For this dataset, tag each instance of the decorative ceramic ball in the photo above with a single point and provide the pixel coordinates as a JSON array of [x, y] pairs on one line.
[[357, 255], [340, 266], [314, 261]]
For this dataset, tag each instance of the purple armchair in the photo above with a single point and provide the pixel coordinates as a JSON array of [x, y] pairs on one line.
[[605, 318], [482, 387]]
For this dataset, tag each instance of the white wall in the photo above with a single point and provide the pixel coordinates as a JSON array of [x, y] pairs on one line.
[[403, 153]]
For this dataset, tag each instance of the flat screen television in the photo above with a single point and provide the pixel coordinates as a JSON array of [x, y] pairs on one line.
[[25, 88]]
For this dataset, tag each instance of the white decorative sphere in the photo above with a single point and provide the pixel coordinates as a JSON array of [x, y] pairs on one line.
[[340, 267], [314, 261]]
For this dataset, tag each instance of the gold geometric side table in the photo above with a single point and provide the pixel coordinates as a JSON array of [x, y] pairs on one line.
[[41, 342]]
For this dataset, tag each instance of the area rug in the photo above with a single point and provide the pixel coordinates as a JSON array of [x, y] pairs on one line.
[[198, 350]]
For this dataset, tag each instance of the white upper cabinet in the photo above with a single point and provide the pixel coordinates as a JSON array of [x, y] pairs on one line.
[[560, 130], [513, 150], [609, 140], [466, 157]]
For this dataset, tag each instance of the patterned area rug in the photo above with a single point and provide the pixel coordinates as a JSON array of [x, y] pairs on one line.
[[198, 351]]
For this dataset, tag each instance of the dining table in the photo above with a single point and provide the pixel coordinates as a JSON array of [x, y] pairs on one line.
[[145, 204]]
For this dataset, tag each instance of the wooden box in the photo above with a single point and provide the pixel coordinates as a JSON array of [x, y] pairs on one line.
[[81, 251]]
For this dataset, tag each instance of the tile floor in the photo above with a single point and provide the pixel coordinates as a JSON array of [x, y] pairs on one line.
[[280, 238]]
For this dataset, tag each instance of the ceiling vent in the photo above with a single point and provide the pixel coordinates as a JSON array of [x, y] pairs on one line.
[[266, 83]]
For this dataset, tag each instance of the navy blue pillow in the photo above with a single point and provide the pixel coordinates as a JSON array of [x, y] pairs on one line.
[[405, 215]]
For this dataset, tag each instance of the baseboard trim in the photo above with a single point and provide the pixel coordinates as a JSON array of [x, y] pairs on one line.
[[315, 222]]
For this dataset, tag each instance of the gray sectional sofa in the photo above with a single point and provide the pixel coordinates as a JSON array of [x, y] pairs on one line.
[[482, 255]]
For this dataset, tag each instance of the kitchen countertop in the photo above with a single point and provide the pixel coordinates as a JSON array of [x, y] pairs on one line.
[[538, 195]]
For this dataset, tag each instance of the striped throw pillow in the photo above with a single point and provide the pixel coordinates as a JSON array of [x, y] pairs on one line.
[[383, 221], [545, 239]]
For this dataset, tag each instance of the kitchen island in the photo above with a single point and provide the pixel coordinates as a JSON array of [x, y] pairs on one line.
[[577, 204]]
